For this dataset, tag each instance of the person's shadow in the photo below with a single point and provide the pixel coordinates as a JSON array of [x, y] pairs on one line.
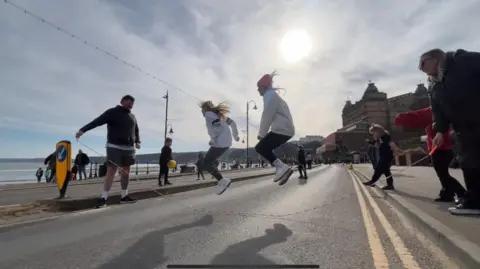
[[246, 252], [148, 252]]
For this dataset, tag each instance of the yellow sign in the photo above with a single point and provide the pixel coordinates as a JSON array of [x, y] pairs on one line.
[[64, 163]]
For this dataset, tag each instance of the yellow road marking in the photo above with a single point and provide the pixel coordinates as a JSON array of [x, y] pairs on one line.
[[402, 251], [380, 260]]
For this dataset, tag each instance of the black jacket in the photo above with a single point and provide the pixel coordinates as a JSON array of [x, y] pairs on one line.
[[82, 159], [122, 127], [301, 156], [456, 97], [165, 156]]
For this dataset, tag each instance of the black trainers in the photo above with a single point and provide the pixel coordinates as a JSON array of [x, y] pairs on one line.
[[127, 200], [388, 188], [101, 203]]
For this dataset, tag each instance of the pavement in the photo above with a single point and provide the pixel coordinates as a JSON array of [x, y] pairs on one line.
[[10, 195], [415, 189], [330, 220]]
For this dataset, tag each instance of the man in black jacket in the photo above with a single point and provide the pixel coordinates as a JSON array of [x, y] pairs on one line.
[[165, 157], [122, 139], [82, 160], [456, 101], [302, 163]]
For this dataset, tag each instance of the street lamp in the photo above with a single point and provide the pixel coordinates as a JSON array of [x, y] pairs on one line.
[[171, 129], [248, 108], [166, 97]]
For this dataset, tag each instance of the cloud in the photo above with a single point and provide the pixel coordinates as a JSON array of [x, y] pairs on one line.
[[52, 84]]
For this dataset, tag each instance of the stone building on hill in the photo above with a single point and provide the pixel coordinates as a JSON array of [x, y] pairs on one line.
[[376, 107]]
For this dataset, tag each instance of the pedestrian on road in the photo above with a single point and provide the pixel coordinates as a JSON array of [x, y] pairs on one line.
[[309, 161], [456, 102], [82, 160], [165, 158], [39, 174], [276, 127], [372, 151], [220, 128], [123, 137], [302, 163], [199, 163], [443, 155], [385, 156], [51, 163]]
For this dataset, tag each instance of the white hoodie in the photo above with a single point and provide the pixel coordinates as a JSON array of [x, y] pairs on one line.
[[219, 130], [276, 116]]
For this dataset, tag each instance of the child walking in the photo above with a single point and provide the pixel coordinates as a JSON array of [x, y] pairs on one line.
[[386, 150], [165, 157], [218, 126], [276, 127]]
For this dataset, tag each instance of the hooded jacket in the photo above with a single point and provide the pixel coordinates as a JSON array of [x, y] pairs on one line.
[[423, 118], [276, 116], [219, 130]]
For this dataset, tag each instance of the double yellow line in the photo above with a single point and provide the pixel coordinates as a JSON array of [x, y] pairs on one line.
[[380, 259]]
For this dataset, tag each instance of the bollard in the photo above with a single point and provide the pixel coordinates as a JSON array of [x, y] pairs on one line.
[[136, 168], [147, 168], [96, 167], [90, 175]]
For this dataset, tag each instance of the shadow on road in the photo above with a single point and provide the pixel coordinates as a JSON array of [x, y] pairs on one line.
[[148, 252], [246, 252]]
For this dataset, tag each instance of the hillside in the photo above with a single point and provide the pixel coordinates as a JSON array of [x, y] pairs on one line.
[[289, 149]]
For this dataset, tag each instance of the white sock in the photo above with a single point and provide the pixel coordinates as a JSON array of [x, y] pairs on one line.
[[124, 193], [278, 163], [105, 195]]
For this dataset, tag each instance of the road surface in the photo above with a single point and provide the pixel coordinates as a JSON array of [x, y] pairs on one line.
[[254, 222]]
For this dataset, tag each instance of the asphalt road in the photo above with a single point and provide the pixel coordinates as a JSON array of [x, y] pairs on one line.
[[253, 222]]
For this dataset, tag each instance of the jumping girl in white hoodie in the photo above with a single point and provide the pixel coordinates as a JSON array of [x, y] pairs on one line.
[[218, 126], [276, 127]]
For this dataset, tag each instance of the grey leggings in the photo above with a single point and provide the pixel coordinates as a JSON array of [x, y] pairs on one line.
[[209, 162]]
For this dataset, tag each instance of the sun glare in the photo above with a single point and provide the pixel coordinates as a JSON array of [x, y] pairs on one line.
[[295, 45]]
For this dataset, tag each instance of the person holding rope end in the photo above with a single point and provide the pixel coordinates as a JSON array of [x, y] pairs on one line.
[[386, 149], [276, 127], [456, 102], [122, 140]]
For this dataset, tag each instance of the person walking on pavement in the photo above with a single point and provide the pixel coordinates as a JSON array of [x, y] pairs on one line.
[[165, 157], [51, 163], [385, 156], [302, 163], [39, 174], [372, 151], [123, 137], [276, 127], [443, 155], [221, 130], [309, 161], [199, 163], [456, 102], [82, 160]]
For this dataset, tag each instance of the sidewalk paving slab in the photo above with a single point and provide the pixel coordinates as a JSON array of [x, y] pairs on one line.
[[415, 189]]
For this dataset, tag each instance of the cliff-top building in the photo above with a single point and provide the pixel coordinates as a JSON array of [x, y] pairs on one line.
[[376, 107]]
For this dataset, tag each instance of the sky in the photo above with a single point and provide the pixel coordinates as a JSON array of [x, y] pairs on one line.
[[53, 83]]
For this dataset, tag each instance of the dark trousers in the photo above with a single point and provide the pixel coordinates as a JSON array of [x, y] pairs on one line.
[[210, 161], [383, 168], [200, 172], [469, 157], [441, 160], [163, 174], [302, 169], [270, 142], [373, 159]]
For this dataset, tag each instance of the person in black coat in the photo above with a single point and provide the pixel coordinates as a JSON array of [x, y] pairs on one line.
[[455, 100], [302, 163], [165, 157]]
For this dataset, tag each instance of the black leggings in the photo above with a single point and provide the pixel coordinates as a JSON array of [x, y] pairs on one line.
[[210, 161], [270, 142], [302, 169], [441, 160], [383, 168]]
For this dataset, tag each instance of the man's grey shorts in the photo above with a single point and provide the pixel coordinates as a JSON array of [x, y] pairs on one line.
[[120, 157]]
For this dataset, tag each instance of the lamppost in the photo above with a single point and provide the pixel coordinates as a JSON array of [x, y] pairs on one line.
[[248, 108], [166, 115]]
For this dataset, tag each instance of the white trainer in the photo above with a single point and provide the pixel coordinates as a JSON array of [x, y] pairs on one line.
[[223, 185], [280, 171]]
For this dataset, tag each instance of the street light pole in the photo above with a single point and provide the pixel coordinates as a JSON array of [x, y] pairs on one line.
[[166, 115], [248, 109]]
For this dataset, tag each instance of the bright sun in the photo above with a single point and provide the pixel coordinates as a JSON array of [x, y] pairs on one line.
[[295, 45]]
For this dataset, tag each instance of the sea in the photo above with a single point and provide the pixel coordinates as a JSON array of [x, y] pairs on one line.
[[11, 173]]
